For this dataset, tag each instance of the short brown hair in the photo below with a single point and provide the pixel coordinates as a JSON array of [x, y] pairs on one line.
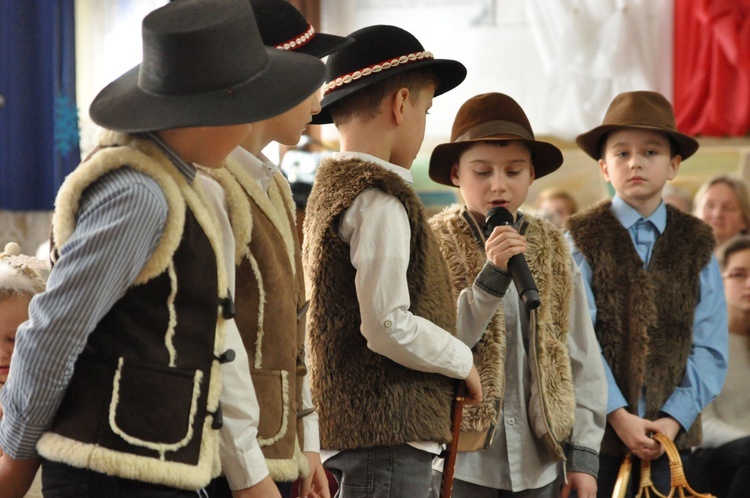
[[366, 102], [732, 246]]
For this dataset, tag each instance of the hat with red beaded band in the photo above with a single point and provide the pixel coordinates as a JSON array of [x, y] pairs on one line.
[[282, 26], [377, 53]]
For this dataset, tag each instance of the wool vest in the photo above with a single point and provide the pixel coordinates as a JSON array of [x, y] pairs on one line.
[[552, 414], [270, 300], [143, 402], [644, 319], [365, 399]]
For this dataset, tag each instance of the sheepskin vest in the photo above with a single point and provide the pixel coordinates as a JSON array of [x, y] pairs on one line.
[[644, 319], [365, 399], [143, 402], [548, 257], [270, 300]]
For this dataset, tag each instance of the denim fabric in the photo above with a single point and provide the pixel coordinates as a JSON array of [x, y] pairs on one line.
[[63, 481], [463, 489], [382, 472]]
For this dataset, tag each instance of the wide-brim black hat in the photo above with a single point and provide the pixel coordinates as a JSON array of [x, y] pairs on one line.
[[282, 26], [379, 52], [641, 110], [204, 64], [491, 117]]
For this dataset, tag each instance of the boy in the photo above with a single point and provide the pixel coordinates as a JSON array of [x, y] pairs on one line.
[[117, 376], [382, 353], [542, 383], [270, 297], [654, 288]]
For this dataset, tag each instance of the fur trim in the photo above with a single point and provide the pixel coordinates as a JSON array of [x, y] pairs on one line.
[[91, 456], [143, 155], [292, 469], [284, 413]]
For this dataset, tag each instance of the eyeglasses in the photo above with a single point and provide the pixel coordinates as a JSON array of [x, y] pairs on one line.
[[738, 275]]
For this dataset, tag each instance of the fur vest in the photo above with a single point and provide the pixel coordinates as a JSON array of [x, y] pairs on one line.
[[270, 299], [644, 316], [365, 399], [552, 412], [143, 400]]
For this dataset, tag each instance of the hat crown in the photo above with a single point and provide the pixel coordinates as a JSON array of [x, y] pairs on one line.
[[642, 109], [192, 47], [490, 114], [278, 21], [373, 45]]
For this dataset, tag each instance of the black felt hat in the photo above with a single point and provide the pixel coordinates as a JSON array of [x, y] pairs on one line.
[[204, 64], [282, 26], [379, 52]]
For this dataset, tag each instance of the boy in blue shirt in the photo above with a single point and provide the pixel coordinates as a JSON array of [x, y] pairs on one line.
[[654, 287]]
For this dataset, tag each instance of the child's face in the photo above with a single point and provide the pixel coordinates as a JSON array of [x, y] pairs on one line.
[[737, 282], [14, 310], [721, 210], [287, 128], [411, 133], [491, 176], [638, 163], [556, 208]]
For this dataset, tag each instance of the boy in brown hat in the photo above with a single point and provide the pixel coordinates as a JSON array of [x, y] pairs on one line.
[[270, 294], [541, 371], [654, 286], [126, 376], [381, 320]]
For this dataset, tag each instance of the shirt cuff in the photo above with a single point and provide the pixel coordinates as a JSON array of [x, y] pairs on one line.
[[582, 459], [682, 407], [19, 439], [493, 280], [312, 436], [245, 468], [464, 360]]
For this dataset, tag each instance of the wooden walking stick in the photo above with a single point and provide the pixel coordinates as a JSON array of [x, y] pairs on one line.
[[449, 465]]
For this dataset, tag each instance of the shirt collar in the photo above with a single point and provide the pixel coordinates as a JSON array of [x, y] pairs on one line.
[[628, 216], [404, 173], [187, 170]]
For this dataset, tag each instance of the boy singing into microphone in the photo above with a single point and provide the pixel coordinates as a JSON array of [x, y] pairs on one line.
[[541, 372]]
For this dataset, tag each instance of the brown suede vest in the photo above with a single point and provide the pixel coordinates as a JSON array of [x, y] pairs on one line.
[[644, 316], [364, 399], [144, 392], [270, 299]]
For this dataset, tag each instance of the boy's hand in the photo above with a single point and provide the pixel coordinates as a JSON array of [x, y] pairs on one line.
[[315, 485], [668, 426], [16, 476], [473, 388], [636, 432], [264, 489], [503, 244], [583, 484]]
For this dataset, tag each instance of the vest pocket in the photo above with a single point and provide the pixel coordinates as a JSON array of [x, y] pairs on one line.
[[272, 390], [154, 406]]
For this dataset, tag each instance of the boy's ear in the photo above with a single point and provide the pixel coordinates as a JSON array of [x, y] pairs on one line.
[[603, 167], [454, 175], [674, 166], [398, 103], [532, 174]]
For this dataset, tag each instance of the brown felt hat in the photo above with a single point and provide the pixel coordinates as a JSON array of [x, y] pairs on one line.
[[643, 110], [491, 117]]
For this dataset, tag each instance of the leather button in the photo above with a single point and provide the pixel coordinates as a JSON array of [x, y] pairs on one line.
[[227, 356]]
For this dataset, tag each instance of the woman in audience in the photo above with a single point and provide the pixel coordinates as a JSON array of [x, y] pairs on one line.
[[723, 202]]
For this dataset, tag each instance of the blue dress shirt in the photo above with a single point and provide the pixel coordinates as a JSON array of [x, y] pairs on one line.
[[707, 362]]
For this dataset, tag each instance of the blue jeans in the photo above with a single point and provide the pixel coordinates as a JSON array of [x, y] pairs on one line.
[[382, 472]]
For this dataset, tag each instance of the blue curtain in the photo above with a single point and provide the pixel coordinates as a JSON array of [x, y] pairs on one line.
[[39, 142]]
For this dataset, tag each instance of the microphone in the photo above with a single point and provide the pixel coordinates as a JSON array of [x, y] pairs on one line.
[[519, 270]]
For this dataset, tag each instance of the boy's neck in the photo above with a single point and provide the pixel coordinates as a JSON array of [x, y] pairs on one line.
[[739, 323], [367, 138], [255, 141], [645, 208]]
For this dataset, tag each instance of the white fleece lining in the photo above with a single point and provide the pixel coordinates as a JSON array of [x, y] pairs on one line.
[[161, 448], [258, 362], [271, 204], [290, 469], [172, 317], [285, 412]]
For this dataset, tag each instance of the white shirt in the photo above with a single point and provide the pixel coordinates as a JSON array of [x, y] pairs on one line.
[[376, 227]]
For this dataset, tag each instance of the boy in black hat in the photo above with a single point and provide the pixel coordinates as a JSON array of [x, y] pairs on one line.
[[382, 318], [118, 373], [541, 371], [270, 297], [655, 290]]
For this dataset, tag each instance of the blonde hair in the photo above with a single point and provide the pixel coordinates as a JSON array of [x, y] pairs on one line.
[[21, 275], [738, 186], [557, 193]]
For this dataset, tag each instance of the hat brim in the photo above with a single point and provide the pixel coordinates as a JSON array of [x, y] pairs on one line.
[[450, 74], [546, 157], [324, 44], [590, 142], [124, 106]]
